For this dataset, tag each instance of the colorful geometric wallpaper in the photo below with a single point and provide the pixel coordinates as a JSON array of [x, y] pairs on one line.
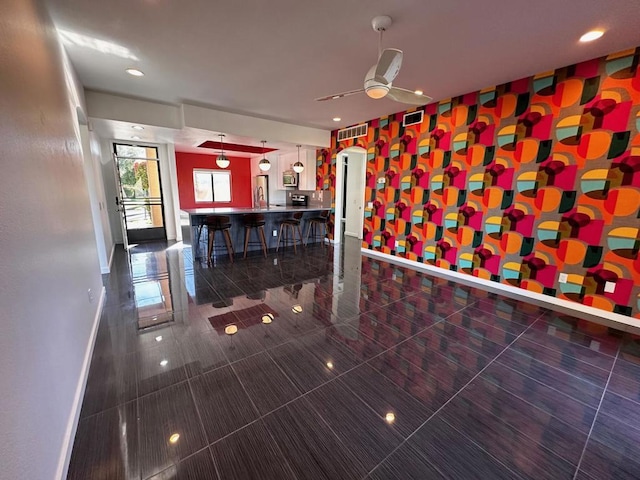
[[517, 183]]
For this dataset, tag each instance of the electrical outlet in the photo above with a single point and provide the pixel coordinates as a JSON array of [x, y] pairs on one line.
[[275, 233], [369, 204], [382, 180], [610, 287], [562, 278], [90, 295]]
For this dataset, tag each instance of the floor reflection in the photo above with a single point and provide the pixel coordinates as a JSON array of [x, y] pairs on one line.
[[246, 361]]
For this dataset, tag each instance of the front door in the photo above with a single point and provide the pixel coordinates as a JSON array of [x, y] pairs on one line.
[[140, 195]]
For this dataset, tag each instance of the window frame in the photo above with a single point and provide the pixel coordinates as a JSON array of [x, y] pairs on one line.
[[211, 173]]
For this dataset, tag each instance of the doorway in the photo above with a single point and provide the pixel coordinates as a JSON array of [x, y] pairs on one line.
[[139, 193], [351, 172]]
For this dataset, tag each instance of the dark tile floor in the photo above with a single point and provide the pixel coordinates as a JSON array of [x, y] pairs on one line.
[[379, 372]]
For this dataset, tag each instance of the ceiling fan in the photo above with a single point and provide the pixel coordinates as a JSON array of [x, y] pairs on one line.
[[379, 78]]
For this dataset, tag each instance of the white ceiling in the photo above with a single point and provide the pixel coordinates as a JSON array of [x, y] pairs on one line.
[[272, 58]]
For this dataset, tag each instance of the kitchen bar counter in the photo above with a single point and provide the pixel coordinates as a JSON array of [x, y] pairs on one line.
[[243, 210], [273, 215]]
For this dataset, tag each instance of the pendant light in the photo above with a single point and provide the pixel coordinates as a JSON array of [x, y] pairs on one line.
[[264, 163], [298, 167], [222, 161]]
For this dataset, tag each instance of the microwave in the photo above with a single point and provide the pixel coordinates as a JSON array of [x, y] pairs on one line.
[[290, 178]]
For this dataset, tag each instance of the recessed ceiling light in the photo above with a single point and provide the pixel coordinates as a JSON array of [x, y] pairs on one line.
[[135, 137], [159, 338], [418, 92], [296, 309], [591, 36], [231, 329], [336, 119], [267, 318], [174, 438], [163, 363], [137, 127], [390, 417], [135, 72], [330, 365]]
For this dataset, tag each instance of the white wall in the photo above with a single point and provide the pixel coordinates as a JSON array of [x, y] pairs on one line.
[[48, 255], [96, 155], [110, 189]]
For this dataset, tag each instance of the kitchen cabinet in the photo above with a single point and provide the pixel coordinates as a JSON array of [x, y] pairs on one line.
[[307, 178]]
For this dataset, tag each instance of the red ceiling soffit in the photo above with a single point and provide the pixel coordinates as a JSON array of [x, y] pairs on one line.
[[234, 147]]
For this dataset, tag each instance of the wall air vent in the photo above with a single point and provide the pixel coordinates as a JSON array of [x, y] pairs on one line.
[[352, 132], [412, 118]]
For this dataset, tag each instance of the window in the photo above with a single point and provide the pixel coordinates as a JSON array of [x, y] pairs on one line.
[[212, 186]]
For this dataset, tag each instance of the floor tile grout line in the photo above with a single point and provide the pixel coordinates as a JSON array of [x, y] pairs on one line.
[[544, 447], [555, 368], [175, 464], [595, 417], [195, 404], [261, 417], [454, 396], [535, 406], [255, 408], [576, 358]]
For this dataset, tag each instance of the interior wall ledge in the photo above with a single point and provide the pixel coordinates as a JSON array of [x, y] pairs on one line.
[[585, 312]]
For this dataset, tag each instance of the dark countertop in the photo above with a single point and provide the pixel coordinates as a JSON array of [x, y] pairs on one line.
[[243, 210]]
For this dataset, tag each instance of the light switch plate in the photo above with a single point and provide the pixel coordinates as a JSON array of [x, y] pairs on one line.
[[610, 287], [563, 277], [369, 204]]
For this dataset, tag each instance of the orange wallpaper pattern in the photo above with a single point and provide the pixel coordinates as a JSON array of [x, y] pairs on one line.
[[516, 183]]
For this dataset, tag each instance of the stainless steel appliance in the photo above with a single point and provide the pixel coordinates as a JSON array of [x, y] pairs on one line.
[[261, 192], [298, 200]]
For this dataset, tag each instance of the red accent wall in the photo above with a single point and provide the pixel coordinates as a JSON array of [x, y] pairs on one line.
[[240, 179]]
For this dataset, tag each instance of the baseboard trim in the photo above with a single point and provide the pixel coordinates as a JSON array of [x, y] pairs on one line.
[[108, 268], [592, 314], [70, 434]]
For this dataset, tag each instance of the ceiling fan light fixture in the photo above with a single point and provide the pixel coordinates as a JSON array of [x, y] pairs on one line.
[[418, 92], [374, 88], [222, 161], [264, 164], [298, 167]]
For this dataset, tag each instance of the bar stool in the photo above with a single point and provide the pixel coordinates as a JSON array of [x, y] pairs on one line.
[[218, 224], [251, 221], [314, 223], [292, 224]]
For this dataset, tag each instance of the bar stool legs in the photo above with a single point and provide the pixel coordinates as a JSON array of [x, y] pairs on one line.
[[291, 230], [289, 225], [219, 224], [251, 221], [261, 235], [314, 223]]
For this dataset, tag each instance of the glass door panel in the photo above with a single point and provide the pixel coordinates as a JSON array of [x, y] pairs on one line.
[[140, 192]]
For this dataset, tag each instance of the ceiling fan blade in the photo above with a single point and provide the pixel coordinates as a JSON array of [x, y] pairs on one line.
[[340, 95], [403, 95], [388, 65]]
